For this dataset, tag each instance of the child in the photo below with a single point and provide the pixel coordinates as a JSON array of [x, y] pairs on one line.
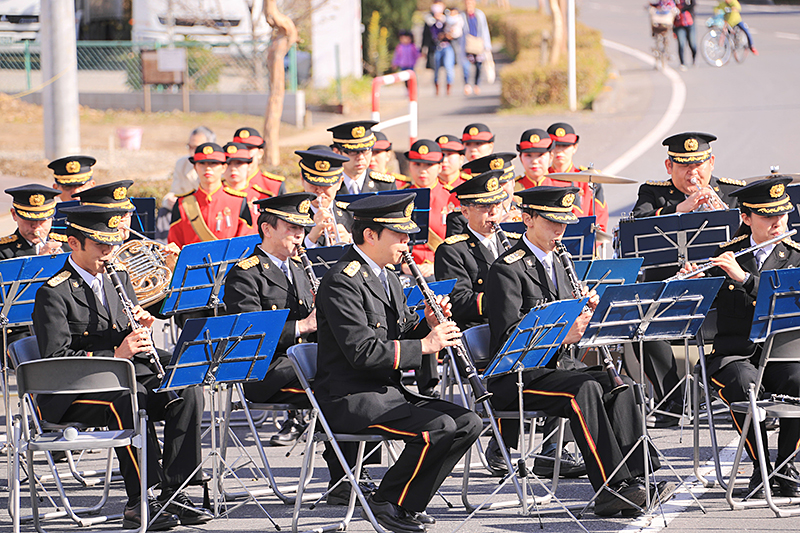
[[406, 52]]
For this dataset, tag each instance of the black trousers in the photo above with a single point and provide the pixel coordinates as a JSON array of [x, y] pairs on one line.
[[605, 426], [181, 453], [734, 381], [660, 368], [436, 435]]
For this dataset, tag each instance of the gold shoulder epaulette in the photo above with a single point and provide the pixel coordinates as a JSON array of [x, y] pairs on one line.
[[352, 268], [402, 177], [390, 267], [250, 262], [272, 176], [386, 178], [186, 194], [513, 235], [730, 181], [262, 190], [792, 244], [9, 238], [732, 241], [234, 192], [582, 168], [342, 205], [58, 237], [452, 239], [666, 183], [58, 278], [513, 258]]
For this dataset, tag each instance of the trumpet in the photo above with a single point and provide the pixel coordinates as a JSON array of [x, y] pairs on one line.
[[708, 265], [502, 235], [44, 239], [328, 237], [566, 260], [707, 205]]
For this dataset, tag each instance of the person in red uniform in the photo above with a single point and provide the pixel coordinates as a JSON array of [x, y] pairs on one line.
[[382, 157], [238, 160], [425, 158], [478, 141], [592, 198], [213, 211], [265, 183], [451, 175], [535, 153]]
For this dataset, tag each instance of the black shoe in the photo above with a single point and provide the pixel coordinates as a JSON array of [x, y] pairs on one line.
[[571, 466], [132, 517], [290, 432], [424, 518], [188, 513], [341, 494], [393, 517], [789, 488], [494, 459], [755, 481], [609, 504], [671, 417]]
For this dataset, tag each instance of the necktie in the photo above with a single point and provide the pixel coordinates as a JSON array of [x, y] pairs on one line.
[[285, 268], [761, 256], [548, 266], [490, 244], [384, 282], [97, 289]]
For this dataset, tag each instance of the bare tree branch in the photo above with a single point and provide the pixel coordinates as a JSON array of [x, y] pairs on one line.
[[284, 35]]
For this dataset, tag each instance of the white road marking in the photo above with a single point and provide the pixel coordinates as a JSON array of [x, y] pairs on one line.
[[682, 499], [790, 36], [662, 128]]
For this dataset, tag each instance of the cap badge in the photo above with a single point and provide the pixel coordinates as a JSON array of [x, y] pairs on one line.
[[442, 139], [304, 206], [322, 166], [560, 132], [358, 132], [496, 164], [208, 150], [36, 200], [492, 185], [423, 150], [690, 145], [567, 200], [777, 190], [409, 210], [232, 150], [534, 138], [120, 193], [473, 131], [244, 134], [73, 167], [114, 221]]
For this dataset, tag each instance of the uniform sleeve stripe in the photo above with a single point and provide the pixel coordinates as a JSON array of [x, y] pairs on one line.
[[396, 355], [480, 303]]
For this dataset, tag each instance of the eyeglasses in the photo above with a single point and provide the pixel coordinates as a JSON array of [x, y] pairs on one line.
[[356, 153]]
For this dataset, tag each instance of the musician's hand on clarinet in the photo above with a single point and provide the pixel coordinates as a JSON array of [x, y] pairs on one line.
[[594, 299], [137, 341], [444, 335], [308, 324], [688, 268], [143, 317], [728, 263], [578, 327], [444, 305]]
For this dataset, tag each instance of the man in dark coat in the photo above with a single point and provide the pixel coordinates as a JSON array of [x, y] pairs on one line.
[[367, 336], [77, 313], [32, 209]]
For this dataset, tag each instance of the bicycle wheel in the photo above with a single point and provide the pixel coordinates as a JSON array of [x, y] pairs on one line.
[[714, 48], [741, 47], [663, 52]]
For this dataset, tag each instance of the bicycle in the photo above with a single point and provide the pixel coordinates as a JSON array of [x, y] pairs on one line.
[[661, 29], [721, 42]]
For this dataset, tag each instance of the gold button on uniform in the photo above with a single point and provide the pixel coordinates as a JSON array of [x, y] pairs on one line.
[[480, 281], [730, 287], [85, 333], [274, 307], [300, 302]]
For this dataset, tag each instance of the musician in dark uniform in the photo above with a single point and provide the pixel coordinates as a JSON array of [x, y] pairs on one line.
[[32, 209], [733, 363], [321, 170], [355, 140], [605, 429], [367, 336], [77, 313], [72, 174], [456, 222]]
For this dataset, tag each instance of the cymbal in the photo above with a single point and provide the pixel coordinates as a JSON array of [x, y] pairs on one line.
[[795, 177], [589, 176]]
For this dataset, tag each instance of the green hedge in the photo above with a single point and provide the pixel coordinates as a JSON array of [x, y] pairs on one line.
[[527, 82]]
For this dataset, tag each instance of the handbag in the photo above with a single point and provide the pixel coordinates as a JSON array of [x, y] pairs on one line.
[[473, 45]]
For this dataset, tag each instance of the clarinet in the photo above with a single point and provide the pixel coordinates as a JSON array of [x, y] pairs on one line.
[[308, 269], [127, 306], [577, 289], [502, 235], [466, 368]]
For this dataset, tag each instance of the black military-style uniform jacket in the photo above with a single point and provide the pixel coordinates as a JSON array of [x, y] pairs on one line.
[[69, 321], [456, 224], [256, 284], [464, 258], [662, 197], [366, 339], [15, 245], [735, 301], [374, 182]]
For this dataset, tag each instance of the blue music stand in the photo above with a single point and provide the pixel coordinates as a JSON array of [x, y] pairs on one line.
[[324, 257], [416, 302], [601, 273], [422, 206], [578, 238], [216, 351], [536, 338], [201, 267], [672, 240], [776, 303]]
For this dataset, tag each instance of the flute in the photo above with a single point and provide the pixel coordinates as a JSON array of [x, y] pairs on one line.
[[465, 366], [708, 265]]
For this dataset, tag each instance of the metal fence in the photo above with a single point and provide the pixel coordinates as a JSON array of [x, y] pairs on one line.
[[116, 66]]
